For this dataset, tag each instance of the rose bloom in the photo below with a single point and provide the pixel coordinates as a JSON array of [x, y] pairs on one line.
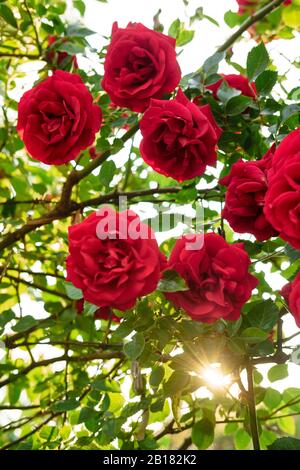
[[239, 82], [57, 118], [179, 137], [59, 58], [103, 313], [140, 64], [291, 293], [282, 201], [217, 276], [110, 262], [247, 184]]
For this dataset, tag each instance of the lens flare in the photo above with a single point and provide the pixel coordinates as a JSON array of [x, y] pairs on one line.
[[214, 377]]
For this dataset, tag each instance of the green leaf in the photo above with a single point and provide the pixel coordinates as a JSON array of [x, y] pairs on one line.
[[6, 317], [291, 252], [73, 292], [288, 111], [266, 81], [25, 323], [233, 19], [263, 315], [177, 382], [285, 443], [185, 36], [78, 30], [105, 385], [203, 434], [65, 405], [211, 64], [257, 61], [225, 92], [241, 439], [278, 372], [253, 335], [7, 14], [157, 376], [172, 282], [295, 355], [80, 6], [89, 309], [134, 348], [174, 28], [272, 398], [107, 172], [291, 16], [237, 105]]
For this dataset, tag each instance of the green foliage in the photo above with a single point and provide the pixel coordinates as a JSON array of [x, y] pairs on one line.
[[257, 61]]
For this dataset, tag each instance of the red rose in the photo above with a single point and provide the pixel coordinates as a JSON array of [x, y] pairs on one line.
[[59, 58], [282, 202], [179, 138], [245, 5], [217, 276], [140, 64], [57, 118], [239, 82], [291, 293], [104, 313], [245, 197], [114, 259]]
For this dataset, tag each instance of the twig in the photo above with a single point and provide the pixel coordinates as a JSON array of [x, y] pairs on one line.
[[46, 362], [259, 15], [38, 44], [36, 429], [34, 285], [252, 408]]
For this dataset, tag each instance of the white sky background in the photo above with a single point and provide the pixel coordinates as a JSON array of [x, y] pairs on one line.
[[99, 17]]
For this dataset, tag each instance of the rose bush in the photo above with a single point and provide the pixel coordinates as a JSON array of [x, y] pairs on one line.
[[57, 119], [188, 351]]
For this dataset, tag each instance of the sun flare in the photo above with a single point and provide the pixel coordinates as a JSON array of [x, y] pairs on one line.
[[214, 377]]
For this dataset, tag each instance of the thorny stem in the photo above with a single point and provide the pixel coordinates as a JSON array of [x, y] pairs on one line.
[[252, 408]]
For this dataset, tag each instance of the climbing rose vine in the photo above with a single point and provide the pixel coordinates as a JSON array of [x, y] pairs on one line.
[[150, 219]]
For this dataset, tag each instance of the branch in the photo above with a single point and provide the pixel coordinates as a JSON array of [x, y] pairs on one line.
[[34, 285], [259, 15], [46, 362], [130, 195], [35, 273], [69, 343], [23, 408], [33, 431], [252, 408], [38, 44], [20, 56]]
